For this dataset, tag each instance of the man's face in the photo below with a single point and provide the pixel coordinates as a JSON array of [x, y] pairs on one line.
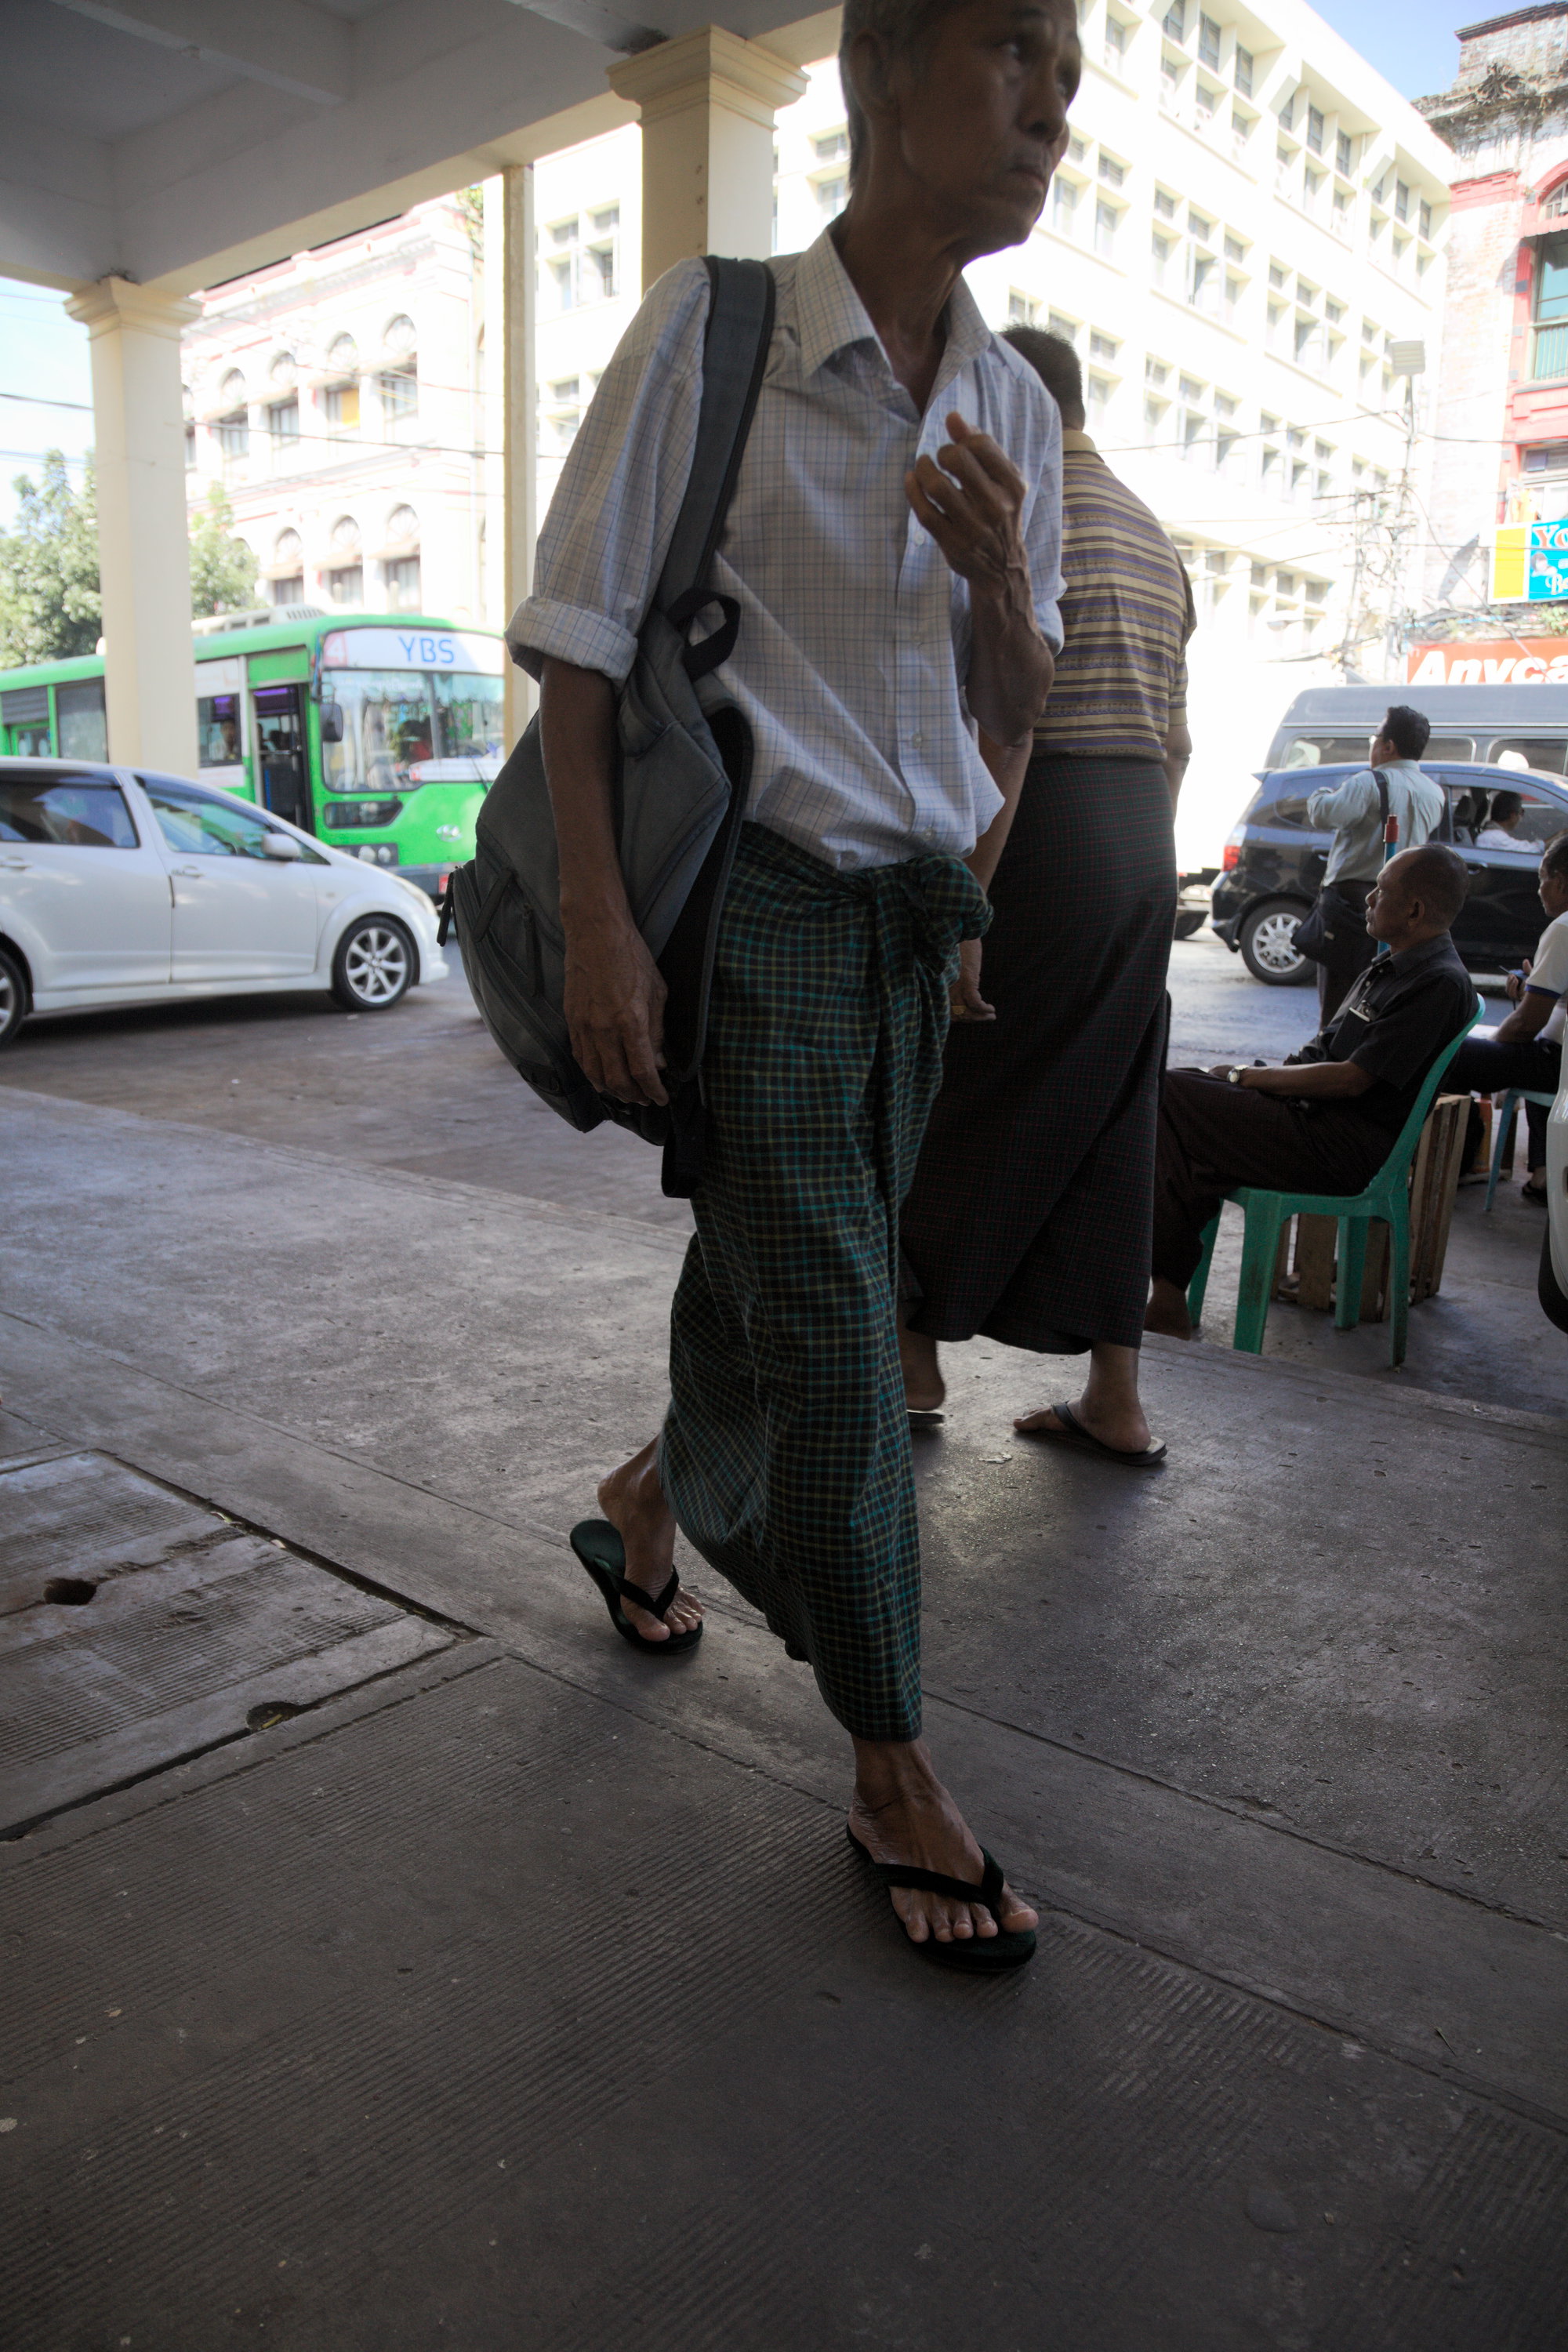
[[1389, 907], [984, 127]]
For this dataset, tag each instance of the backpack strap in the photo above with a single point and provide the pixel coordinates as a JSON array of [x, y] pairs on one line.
[[734, 360]]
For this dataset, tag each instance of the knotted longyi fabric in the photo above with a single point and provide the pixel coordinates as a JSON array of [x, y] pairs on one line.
[[786, 1453]]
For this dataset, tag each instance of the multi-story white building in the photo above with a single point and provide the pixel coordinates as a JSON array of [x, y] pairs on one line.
[[1247, 224], [337, 396]]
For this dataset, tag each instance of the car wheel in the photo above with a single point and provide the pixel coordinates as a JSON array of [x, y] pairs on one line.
[[1190, 920], [13, 997], [1553, 1304], [373, 966], [1268, 947]]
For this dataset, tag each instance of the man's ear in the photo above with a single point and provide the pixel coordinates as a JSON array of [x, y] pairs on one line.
[[868, 66]]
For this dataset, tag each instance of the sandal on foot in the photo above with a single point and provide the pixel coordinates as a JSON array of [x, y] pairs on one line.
[[1073, 1432], [981, 1955], [599, 1548]]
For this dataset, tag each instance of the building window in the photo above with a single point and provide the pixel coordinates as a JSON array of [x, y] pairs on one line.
[[1023, 311], [583, 258], [832, 195], [1207, 100], [1064, 207], [1170, 78], [1342, 154], [1175, 20], [1315, 129], [341, 401], [1098, 403], [1112, 172], [1105, 220], [399, 393], [289, 588], [1241, 70], [1424, 219], [1550, 358], [346, 583], [1103, 347], [283, 426], [1057, 324], [1115, 43], [1209, 42], [1160, 257], [403, 585], [234, 436], [1401, 201], [833, 147]]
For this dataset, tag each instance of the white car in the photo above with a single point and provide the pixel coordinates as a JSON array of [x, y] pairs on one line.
[[118, 886]]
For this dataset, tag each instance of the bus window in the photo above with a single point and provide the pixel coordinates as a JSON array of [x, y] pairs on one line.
[[386, 727], [1529, 752], [217, 731], [470, 715], [1326, 750], [24, 722], [1450, 747], [78, 709]]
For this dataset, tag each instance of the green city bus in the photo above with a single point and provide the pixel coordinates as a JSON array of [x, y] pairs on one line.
[[380, 733]]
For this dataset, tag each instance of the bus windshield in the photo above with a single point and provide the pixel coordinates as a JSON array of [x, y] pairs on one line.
[[471, 713], [386, 724]]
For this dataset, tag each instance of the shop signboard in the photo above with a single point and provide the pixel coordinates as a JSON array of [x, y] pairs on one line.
[[1499, 661], [1530, 562]]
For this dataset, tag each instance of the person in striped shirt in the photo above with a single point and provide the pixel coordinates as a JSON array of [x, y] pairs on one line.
[[1030, 1215]]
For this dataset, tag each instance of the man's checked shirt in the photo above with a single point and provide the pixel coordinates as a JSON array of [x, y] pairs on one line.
[[853, 641]]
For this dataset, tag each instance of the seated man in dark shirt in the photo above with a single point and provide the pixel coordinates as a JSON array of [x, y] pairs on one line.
[[1326, 1121]]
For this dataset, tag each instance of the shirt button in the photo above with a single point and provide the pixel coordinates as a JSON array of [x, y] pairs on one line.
[[916, 740]]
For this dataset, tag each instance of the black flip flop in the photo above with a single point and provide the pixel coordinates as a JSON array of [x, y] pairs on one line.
[[599, 1548], [980, 1954], [1073, 1432]]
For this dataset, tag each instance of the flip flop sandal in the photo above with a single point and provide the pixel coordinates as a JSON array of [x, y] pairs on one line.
[[924, 1416], [599, 1548], [1073, 1432], [979, 1955]]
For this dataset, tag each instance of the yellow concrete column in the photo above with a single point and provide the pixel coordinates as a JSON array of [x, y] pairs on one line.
[[707, 102], [511, 275], [144, 539]]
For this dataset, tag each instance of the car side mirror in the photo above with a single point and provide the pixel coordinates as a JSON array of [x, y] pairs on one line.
[[331, 722], [282, 846]]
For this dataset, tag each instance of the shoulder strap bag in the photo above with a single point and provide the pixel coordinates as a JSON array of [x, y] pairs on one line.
[[1338, 920], [683, 769]]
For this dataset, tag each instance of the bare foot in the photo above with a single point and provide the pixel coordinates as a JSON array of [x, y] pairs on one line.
[[633, 1501], [1126, 1428], [1167, 1311], [901, 1813], [925, 1389]]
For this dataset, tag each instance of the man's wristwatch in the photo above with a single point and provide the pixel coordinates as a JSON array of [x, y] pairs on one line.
[[1234, 1076]]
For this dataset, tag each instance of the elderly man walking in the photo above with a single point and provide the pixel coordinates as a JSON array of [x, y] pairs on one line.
[[1028, 1219], [892, 548]]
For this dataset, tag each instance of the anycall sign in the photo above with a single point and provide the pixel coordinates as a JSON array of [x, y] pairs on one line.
[[1512, 661]]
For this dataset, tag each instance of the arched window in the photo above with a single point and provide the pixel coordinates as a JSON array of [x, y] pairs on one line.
[[401, 564], [287, 551], [400, 376], [340, 398], [345, 574], [284, 371], [233, 423], [287, 569]]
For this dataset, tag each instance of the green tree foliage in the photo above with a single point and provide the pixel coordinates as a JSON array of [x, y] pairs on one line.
[[50, 604], [223, 568]]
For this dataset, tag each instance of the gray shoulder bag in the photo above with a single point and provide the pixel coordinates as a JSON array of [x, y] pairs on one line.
[[683, 772]]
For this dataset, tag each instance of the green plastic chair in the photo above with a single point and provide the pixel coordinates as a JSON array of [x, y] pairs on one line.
[[1387, 1197]]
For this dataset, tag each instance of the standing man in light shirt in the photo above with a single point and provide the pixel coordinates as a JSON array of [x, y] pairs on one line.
[[1356, 857], [892, 546]]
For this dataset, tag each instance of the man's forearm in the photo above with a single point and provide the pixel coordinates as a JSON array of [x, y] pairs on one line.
[[577, 730], [1312, 1081], [1178, 751], [1527, 1020], [1008, 764], [1010, 665]]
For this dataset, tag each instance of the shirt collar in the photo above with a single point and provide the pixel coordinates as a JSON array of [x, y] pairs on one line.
[[1071, 440], [830, 317], [1424, 951]]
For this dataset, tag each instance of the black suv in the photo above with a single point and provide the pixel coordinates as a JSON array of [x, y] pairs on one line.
[[1273, 862]]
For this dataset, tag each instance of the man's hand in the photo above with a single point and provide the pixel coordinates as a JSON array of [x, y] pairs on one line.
[[615, 1010], [1515, 982], [965, 1001], [970, 497]]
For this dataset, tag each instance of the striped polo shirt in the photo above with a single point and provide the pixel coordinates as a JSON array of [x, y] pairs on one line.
[[1121, 675]]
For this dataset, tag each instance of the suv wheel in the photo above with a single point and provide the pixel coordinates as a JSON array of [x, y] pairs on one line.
[[13, 997], [373, 966], [1267, 943]]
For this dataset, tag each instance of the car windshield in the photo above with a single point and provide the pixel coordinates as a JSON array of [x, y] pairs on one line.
[[387, 725]]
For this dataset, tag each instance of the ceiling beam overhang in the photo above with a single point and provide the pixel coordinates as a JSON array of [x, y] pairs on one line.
[[287, 44]]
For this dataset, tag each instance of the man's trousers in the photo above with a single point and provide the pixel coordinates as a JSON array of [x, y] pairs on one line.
[[1213, 1136], [786, 1453], [1481, 1066]]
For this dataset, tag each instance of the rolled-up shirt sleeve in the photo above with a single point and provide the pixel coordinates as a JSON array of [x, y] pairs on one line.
[[605, 537], [1340, 804]]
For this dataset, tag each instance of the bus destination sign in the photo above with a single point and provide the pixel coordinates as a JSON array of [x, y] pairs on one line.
[[411, 649]]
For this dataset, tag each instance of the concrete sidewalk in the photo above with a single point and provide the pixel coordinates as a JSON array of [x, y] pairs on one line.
[[525, 1991]]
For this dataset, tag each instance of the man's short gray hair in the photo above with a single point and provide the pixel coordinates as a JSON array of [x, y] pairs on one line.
[[905, 27]]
